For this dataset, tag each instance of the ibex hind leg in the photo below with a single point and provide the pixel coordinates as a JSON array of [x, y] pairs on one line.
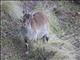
[[45, 38]]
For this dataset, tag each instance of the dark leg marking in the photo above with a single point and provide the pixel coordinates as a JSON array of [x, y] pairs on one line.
[[26, 44], [45, 38]]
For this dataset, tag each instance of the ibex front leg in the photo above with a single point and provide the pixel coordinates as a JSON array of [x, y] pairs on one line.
[[26, 45]]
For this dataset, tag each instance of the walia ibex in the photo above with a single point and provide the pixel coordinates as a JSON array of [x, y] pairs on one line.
[[35, 26]]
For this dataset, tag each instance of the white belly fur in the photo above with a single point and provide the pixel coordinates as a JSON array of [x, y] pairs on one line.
[[33, 35]]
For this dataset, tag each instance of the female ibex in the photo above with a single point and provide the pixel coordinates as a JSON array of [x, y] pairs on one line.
[[35, 26]]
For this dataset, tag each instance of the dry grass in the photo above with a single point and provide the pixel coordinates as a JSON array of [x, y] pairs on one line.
[[12, 45]]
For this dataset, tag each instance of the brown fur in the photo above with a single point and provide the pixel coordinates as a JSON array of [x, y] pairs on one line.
[[39, 20]]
